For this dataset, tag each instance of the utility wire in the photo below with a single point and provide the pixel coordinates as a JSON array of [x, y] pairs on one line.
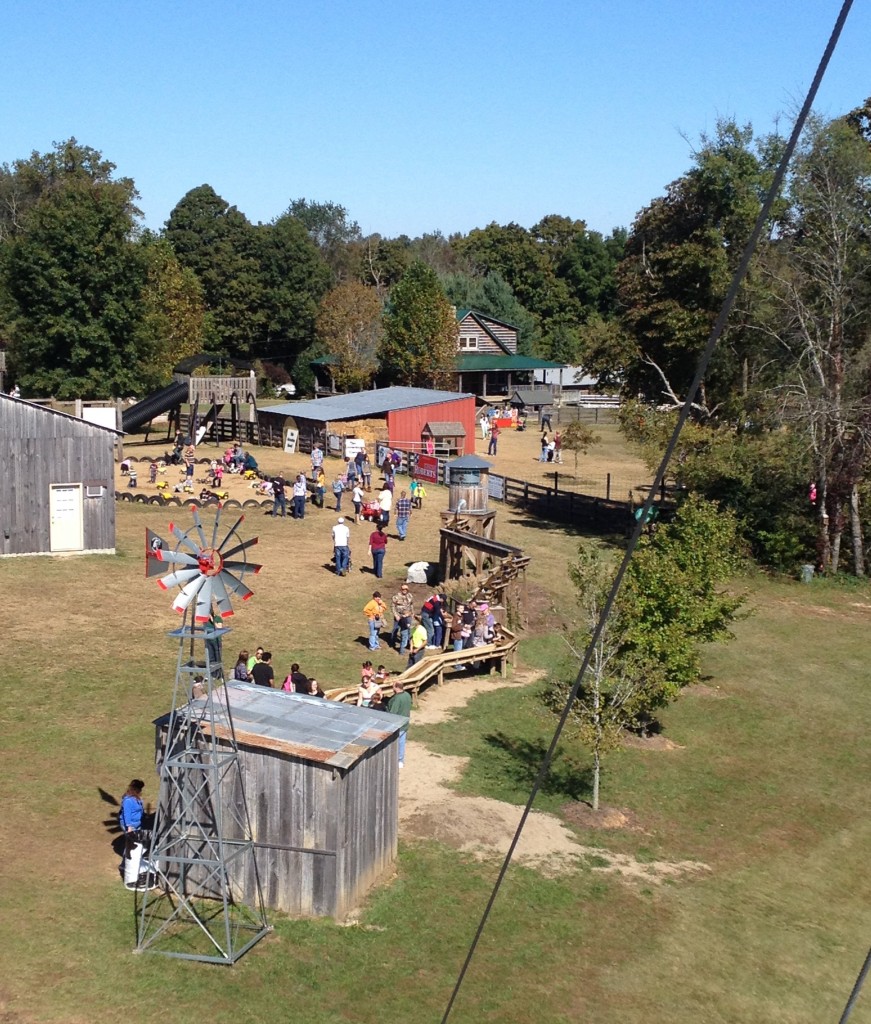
[[701, 369]]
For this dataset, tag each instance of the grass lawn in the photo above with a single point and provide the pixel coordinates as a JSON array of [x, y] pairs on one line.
[[766, 786]]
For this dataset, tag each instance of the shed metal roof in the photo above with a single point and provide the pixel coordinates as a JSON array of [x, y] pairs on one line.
[[528, 396], [312, 728], [57, 412], [470, 462], [446, 428], [365, 403]]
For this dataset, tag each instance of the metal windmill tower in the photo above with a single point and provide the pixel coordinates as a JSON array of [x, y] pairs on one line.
[[202, 849]]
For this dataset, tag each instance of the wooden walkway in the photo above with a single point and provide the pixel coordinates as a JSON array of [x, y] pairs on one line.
[[436, 665]]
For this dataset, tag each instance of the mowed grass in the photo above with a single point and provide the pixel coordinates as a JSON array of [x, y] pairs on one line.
[[767, 787]]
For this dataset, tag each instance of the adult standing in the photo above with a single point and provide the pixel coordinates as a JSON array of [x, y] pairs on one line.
[[558, 448], [366, 471], [400, 704], [545, 419], [130, 815], [240, 669], [494, 439], [385, 503], [417, 643], [299, 494], [543, 456], [317, 457], [351, 472], [263, 672], [402, 606], [279, 499], [375, 610], [342, 546], [377, 547], [427, 614], [403, 514]]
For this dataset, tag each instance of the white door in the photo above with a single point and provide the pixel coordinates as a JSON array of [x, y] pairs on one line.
[[67, 522]]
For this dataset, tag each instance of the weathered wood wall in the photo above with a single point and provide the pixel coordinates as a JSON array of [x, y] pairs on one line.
[[41, 448]]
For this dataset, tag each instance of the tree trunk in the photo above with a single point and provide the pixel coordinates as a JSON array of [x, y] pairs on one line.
[[837, 524], [856, 530], [597, 770]]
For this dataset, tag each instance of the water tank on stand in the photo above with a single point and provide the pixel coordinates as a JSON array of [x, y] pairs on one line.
[[468, 485]]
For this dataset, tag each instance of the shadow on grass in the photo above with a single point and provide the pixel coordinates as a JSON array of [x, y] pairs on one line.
[[521, 761]]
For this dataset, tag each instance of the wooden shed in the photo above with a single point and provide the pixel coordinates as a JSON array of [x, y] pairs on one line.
[[57, 489], [449, 436], [529, 400], [322, 788]]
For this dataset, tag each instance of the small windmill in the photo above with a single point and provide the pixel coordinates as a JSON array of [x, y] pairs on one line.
[[202, 848]]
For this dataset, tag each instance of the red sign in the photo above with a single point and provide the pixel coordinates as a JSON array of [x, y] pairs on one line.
[[427, 468]]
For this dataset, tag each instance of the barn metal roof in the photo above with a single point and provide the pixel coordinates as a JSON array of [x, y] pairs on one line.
[[312, 728], [365, 403]]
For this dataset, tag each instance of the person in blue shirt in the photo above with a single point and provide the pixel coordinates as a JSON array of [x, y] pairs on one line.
[[130, 815]]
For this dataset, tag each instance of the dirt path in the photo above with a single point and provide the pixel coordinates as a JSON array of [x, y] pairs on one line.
[[429, 808]]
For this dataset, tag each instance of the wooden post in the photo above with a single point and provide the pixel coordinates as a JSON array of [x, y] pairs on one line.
[[608, 487]]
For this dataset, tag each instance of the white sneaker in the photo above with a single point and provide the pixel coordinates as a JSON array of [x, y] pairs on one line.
[[402, 764]]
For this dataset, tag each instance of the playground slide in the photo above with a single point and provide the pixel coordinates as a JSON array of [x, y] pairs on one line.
[[155, 404]]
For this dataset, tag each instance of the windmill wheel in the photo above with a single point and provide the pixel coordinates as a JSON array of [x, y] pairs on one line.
[[208, 570]]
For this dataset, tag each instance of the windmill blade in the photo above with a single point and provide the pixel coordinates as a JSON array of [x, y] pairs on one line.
[[203, 611], [178, 578], [239, 547], [179, 557], [243, 567], [236, 585], [198, 526], [182, 537], [221, 597], [188, 593], [215, 527], [230, 533]]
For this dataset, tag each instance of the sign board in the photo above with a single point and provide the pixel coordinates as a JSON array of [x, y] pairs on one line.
[[102, 415], [334, 444], [427, 468], [290, 441], [496, 487], [354, 445]]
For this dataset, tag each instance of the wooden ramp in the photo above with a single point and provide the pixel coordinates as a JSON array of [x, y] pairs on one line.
[[436, 666]]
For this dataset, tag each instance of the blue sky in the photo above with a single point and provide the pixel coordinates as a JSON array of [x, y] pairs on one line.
[[414, 116]]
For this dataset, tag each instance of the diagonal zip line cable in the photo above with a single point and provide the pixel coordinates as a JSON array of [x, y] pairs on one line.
[[686, 408]]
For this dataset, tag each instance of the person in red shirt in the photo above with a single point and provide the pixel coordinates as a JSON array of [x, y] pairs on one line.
[[377, 547]]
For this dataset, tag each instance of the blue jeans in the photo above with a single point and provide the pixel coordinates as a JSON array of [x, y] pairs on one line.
[[343, 558], [279, 503], [438, 632], [414, 657], [402, 737], [374, 642], [491, 448], [403, 633], [426, 622], [378, 562], [402, 527], [299, 506]]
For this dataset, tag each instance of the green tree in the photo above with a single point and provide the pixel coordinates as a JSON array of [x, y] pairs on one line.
[[350, 327], [419, 346], [73, 279], [293, 279], [218, 243], [619, 681], [680, 257], [338, 238], [577, 438], [174, 312], [820, 314]]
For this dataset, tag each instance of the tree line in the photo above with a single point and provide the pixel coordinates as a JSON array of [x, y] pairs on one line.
[[92, 305]]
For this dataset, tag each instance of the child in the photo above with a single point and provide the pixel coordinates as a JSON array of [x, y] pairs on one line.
[[357, 498], [418, 493], [152, 473]]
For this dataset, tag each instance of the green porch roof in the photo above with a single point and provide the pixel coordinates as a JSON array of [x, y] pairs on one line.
[[478, 362]]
